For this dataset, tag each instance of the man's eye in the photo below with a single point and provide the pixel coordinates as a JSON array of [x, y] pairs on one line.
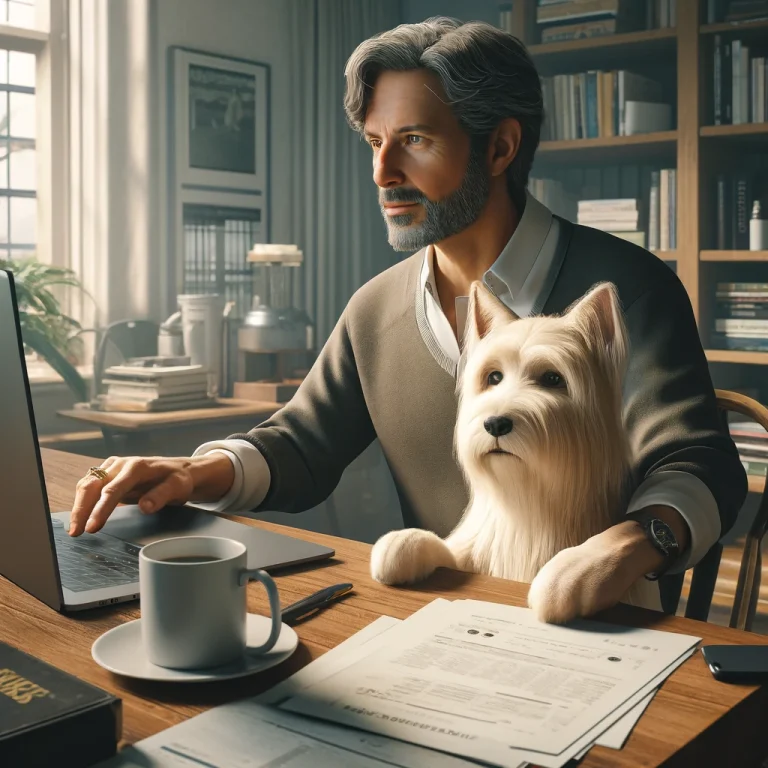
[[494, 378], [552, 379], [414, 139], [374, 143]]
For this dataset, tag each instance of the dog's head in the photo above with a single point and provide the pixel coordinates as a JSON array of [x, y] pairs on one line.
[[541, 397]]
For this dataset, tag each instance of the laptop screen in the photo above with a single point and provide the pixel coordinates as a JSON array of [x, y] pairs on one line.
[[26, 544]]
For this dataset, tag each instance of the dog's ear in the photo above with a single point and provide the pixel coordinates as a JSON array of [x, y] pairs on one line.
[[598, 314], [484, 313]]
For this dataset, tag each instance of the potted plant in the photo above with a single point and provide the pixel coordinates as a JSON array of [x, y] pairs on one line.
[[45, 328]]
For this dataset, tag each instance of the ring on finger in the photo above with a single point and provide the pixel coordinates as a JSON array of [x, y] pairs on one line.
[[97, 472]]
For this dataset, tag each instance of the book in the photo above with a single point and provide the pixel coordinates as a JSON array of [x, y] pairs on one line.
[[49, 717]]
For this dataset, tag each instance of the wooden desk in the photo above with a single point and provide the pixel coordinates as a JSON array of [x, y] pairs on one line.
[[136, 428], [692, 721]]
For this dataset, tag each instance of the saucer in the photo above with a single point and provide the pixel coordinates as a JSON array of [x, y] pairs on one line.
[[121, 650]]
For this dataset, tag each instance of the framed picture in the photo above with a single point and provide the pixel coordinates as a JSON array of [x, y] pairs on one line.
[[220, 122], [219, 174]]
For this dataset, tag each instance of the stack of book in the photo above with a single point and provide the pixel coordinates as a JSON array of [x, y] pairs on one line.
[[600, 104], [159, 388], [751, 440], [577, 19], [741, 317], [618, 217], [740, 84]]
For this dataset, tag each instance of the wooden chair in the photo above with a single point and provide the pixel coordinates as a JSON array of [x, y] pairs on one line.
[[705, 571]]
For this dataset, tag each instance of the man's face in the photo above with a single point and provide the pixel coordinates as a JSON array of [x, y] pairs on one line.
[[432, 185]]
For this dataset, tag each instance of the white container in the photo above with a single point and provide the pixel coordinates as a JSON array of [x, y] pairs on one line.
[[758, 229], [202, 323]]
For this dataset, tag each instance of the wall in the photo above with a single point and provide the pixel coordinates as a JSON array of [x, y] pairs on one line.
[[467, 10]]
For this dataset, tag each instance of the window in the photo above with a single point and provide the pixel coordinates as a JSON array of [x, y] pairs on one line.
[[27, 133], [18, 166]]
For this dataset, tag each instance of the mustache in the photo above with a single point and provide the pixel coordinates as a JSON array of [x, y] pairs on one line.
[[401, 195]]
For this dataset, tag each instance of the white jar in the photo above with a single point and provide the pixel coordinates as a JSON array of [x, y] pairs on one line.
[[758, 229]]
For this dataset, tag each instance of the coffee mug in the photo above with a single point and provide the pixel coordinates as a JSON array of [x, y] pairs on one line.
[[193, 602]]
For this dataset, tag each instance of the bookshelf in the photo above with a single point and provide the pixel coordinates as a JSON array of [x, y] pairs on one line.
[[684, 56]]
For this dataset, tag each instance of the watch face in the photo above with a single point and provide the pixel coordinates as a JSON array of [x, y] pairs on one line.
[[663, 534]]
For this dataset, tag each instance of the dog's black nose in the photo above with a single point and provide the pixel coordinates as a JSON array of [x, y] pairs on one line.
[[498, 425]]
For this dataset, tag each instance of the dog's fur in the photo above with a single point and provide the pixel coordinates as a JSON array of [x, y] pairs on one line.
[[564, 474]]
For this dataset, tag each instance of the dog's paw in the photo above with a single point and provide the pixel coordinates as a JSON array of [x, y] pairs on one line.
[[407, 556]]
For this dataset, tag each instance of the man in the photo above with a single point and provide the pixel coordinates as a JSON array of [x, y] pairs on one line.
[[453, 113]]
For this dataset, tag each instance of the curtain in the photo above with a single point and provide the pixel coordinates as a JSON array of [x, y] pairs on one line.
[[335, 218], [112, 198]]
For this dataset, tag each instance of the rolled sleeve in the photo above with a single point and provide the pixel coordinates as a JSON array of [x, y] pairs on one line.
[[252, 476], [693, 500]]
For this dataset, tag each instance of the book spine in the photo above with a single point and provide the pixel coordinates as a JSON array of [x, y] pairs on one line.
[[717, 93], [653, 213], [727, 85], [673, 208], [735, 84], [741, 222], [664, 210], [593, 130], [721, 217]]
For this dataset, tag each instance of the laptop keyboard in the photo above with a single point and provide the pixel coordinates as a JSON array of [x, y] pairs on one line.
[[94, 561]]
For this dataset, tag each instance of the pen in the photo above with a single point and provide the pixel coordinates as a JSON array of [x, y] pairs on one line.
[[314, 602]]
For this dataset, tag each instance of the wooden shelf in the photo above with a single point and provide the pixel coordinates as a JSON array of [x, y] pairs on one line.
[[610, 148], [607, 51], [759, 26], [733, 255], [756, 483], [736, 356], [758, 130], [665, 255]]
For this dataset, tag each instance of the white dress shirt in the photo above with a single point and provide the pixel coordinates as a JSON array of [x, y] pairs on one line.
[[517, 277]]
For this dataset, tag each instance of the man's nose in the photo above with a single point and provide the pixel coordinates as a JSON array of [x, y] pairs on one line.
[[386, 169], [498, 425]]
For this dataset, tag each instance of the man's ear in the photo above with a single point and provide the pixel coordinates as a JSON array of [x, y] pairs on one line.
[[598, 314], [484, 313]]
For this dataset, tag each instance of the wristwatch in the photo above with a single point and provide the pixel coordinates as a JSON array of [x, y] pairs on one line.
[[661, 537]]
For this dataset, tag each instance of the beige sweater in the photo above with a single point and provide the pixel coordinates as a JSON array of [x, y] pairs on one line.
[[381, 374]]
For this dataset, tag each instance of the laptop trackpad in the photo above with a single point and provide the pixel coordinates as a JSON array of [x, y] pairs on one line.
[[265, 549]]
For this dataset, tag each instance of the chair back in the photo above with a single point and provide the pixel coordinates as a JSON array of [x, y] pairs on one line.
[[122, 340], [705, 571]]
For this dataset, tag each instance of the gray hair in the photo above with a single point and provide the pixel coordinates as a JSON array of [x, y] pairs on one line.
[[486, 75]]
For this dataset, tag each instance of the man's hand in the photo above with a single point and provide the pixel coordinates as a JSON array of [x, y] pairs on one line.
[[153, 482], [580, 581]]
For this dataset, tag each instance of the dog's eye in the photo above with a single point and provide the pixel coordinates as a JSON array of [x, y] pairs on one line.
[[494, 378], [552, 379]]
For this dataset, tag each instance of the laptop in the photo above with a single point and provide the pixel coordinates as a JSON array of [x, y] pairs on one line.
[[93, 569]]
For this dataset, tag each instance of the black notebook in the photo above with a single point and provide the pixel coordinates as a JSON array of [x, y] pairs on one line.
[[49, 717]]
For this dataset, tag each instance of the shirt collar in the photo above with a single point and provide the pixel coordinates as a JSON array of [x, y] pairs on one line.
[[509, 272]]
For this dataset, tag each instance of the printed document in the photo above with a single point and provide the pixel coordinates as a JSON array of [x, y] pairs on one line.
[[490, 682]]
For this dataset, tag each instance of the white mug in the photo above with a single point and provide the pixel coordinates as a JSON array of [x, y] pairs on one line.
[[193, 602]]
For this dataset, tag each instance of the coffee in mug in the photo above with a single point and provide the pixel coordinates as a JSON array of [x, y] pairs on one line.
[[192, 593]]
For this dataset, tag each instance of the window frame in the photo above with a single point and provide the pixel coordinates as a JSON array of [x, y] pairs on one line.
[[48, 41]]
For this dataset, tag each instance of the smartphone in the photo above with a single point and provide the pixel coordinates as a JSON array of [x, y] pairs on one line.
[[737, 663]]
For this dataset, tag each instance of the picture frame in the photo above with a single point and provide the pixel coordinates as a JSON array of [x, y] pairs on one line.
[[220, 122], [226, 165]]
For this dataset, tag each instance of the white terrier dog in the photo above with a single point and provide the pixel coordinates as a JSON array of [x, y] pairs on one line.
[[541, 442]]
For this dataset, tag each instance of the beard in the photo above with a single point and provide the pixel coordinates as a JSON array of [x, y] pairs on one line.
[[442, 218]]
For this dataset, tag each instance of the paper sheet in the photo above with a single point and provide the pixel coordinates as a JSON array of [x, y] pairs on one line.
[[536, 692], [251, 734]]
